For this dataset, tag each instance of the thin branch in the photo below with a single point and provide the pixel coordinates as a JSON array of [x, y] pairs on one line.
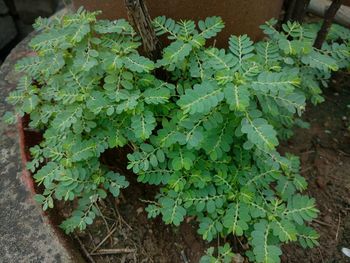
[[184, 258], [328, 19], [338, 227], [104, 240], [112, 251], [86, 253]]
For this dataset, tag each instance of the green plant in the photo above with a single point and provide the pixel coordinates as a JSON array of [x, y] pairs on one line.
[[207, 135]]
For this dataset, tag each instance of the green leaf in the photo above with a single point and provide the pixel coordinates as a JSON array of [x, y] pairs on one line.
[[175, 52], [116, 26], [211, 26], [143, 124], [236, 219], [320, 61], [116, 183], [97, 102], [237, 96], [268, 53], [301, 208], [157, 95], [30, 65], [83, 150], [79, 31], [171, 210], [202, 98], [225, 255], [137, 63], [219, 60], [30, 103], [294, 102], [241, 47], [48, 173], [263, 251], [164, 25], [85, 60], [307, 237], [284, 230], [152, 211], [209, 228], [183, 161], [260, 133], [9, 118], [270, 81], [66, 118]]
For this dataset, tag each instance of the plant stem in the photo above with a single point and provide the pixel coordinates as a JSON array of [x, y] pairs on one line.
[[297, 13], [140, 19], [327, 22], [290, 9]]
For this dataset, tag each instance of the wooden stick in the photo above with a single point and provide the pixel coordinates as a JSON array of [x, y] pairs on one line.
[[321, 223], [111, 251], [103, 218], [338, 227], [141, 21], [86, 253], [104, 240], [184, 258], [328, 19]]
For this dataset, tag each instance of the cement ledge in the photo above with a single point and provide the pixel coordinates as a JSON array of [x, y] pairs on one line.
[[26, 233]]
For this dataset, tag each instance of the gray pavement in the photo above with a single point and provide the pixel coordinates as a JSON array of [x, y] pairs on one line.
[[25, 234]]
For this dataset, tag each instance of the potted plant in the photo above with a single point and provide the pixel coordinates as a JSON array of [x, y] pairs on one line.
[[204, 126]]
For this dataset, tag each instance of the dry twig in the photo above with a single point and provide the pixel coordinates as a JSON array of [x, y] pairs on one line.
[[104, 240], [111, 251], [184, 258], [117, 214], [86, 253], [338, 227], [321, 223]]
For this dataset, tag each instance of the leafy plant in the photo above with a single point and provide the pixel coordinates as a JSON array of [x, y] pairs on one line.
[[207, 136]]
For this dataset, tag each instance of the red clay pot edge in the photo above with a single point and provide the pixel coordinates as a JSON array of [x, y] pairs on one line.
[[26, 177], [28, 182]]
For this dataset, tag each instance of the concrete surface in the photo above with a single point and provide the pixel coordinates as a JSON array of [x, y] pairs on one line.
[[25, 234]]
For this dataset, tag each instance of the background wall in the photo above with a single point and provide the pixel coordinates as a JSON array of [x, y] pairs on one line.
[[17, 17]]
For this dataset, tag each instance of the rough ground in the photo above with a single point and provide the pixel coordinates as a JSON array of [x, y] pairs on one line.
[[324, 150]]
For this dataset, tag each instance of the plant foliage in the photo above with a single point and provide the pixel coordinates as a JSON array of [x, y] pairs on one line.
[[207, 136]]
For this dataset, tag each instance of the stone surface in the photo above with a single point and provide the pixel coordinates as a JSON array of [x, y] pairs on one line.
[[7, 30], [25, 234], [3, 8]]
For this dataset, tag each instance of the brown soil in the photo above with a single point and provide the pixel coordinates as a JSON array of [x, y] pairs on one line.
[[139, 238], [324, 150]]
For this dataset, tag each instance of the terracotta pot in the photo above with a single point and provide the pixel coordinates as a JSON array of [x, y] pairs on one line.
[[240, 16]]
